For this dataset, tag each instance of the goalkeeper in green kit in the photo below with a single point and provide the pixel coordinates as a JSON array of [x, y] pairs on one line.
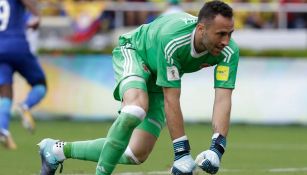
[[149, 63]]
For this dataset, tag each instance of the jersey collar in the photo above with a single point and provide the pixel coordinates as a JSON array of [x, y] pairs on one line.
[[193, 51]]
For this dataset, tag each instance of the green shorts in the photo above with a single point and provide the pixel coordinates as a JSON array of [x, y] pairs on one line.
[[131, 72]]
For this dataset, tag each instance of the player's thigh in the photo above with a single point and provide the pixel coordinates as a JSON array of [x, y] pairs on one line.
[[6, 73], [134, 96], [154, 121], [31, 70], [130, 71]]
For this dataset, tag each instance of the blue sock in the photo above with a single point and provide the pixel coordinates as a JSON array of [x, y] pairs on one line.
[[5, 112], [35, 95]]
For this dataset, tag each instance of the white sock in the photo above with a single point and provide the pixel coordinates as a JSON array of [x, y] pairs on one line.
[[58, 150], [130, 154]]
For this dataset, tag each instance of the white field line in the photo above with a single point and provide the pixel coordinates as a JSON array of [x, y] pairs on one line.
[[271, 170], [277, 146], [288, 170], [199, 172]]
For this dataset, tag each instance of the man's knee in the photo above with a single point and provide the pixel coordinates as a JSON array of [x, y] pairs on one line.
[[39, 82], [40, 89], [135, 111], [131, 116]]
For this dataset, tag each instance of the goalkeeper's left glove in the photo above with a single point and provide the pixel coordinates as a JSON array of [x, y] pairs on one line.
[[209, 160], [183, 162]]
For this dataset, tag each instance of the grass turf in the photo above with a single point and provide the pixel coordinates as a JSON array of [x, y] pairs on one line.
[[251, 149]]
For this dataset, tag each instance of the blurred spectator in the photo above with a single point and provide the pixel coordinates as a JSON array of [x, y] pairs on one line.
[[50, 7], [295, 20], [239, 16], [135, 18], [260, 19], [173, 7], [254, 19], [86, 18]]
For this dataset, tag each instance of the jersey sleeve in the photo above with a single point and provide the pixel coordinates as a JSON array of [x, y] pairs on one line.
[[225, 72], [168, 69]]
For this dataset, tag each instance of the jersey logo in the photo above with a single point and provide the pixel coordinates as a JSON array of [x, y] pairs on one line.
[[227, 52], [172, 73], [190, 19], [145, 68], [222, 73]]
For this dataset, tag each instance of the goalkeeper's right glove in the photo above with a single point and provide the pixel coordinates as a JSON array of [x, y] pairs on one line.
[[183, 162], [209, 160]]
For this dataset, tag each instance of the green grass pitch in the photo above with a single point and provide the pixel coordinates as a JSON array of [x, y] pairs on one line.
[[251, 149]]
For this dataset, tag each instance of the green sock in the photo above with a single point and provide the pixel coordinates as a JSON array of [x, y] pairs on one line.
[[84, 150], [90, 150], [117, 140], [67, 150]]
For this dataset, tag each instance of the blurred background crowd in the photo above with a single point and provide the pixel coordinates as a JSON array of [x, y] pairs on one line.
[[253, 18], [81, 21]]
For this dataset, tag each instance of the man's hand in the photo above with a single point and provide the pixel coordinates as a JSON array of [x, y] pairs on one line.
[[183, 161], [208, 161], [183, 166], [33, 22]]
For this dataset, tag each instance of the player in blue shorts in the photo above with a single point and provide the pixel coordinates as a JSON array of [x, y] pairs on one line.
[[15, 56]]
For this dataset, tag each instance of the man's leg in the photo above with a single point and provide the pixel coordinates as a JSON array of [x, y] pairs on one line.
[[141, 143], [5, 116], [36, 94], [54, 152], [139, 148], [152, 125], [5, 106], [6, 93], [33, 73], [135, 104]]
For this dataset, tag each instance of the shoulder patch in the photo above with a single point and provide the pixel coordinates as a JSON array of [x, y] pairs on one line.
[[222, 73], [172, 73]]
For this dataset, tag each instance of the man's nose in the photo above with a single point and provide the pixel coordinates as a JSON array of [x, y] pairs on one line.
[[225, 40]]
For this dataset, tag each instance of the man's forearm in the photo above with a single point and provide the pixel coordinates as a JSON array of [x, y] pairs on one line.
[[173, 113], [174, 121], [221, 112]]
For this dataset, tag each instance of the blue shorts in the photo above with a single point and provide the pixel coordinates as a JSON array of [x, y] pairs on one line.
[[26, 64]]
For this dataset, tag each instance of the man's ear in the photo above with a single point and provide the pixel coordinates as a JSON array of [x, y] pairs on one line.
[[200, 28]]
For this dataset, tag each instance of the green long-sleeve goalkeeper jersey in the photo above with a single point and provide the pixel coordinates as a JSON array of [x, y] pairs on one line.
[[167, 47]]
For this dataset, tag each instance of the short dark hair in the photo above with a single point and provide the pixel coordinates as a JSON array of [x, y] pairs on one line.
[[213, 8]]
